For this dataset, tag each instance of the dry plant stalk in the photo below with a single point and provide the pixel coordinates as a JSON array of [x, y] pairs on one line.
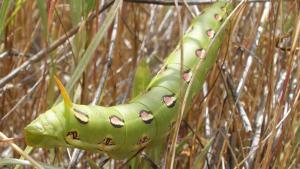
[[256, 75]]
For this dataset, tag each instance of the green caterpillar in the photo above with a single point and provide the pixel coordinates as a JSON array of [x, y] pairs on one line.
[[122, 130]]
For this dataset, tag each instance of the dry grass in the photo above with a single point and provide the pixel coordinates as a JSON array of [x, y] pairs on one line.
[[269, 95]]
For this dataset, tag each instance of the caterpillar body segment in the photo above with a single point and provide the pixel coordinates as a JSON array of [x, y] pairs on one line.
[[122, 130]]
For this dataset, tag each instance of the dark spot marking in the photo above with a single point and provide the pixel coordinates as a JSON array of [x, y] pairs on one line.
[[148, 89], [73, 134], [200, 53], [82, 117], [145, 139], [116, 121], [187, 76], [162, 69], [169, 100], [146, 116], [108, 141], [165, 67], [210, 33]]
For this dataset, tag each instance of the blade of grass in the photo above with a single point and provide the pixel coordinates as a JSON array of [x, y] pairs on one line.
[[19, 4], [92, 163], [142, 78], [12, 161], [42, 53], [79, 42], [21, 152], [200, 159], [92, 47], [3, 12], [43, 15], [88, 6], [76, 11]]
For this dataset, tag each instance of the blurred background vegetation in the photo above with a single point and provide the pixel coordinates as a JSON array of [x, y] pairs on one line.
[[106, 52]]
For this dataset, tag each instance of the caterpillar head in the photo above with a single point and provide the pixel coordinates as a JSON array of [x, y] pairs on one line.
[[72, 125], [48, 129]]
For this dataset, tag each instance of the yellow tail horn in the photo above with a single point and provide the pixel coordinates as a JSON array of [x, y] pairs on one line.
[[63, 92]]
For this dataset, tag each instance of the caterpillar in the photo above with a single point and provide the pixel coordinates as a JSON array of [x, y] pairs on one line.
[[122, 130]]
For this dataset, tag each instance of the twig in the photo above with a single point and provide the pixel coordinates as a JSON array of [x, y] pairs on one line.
[[198, 138], [181, 2], [108, 64], [127, 161], [21, 152], [29, 91], [164, 23], [257, 132], [206, 112], [217, 147], [149, 160], [131, 74], [14, 52], [249, 64], [253, 49], [37, 57], [140, 52], [21, 100], [187, 92], [171, 153], [207, 127], [239, 106], [103, 162]]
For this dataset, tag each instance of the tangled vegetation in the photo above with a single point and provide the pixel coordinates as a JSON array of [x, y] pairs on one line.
[[106, 52]]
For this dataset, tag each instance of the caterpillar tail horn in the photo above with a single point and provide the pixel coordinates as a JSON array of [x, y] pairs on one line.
[[64, 93]]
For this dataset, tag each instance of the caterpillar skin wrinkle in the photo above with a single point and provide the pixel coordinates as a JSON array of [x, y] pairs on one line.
[[122, 130]]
